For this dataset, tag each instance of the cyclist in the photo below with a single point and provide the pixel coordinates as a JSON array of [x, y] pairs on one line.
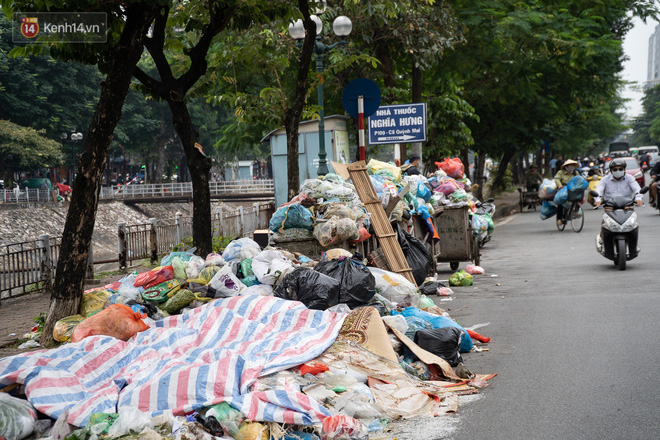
[[618, 183], [564, 175]]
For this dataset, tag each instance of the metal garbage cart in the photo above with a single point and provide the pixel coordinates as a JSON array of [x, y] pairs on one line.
[[456, 244]]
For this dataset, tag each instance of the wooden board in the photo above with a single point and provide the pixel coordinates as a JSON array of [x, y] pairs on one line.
[[382, 228]]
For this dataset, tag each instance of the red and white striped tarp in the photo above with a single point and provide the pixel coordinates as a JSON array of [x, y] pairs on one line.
[[185, 362]]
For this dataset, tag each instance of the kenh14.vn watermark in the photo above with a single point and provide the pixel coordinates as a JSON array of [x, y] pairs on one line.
[[61, 27]]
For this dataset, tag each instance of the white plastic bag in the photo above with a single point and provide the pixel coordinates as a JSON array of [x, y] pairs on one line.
[[226, 284], [241, 249], [129, 419], [127, 289], [214, 259], [396, 288], [396, 321], [269, 266], [194, 267], [17, 417], [259, 289]]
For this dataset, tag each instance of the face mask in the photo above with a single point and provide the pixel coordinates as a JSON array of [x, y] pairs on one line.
[[618, 174], [570, 169]]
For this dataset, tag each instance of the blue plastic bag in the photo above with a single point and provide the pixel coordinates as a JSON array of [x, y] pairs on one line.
[[183, 256], [438, 321], [292, 216], [576, 187], [423, 192], [577, 183], [548, 209], [561, 197]]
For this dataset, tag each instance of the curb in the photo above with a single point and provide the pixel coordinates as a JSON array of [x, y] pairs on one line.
[[505, 211]]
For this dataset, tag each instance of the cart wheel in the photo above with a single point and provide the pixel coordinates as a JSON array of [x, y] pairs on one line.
[[477, 251], [453, 265]]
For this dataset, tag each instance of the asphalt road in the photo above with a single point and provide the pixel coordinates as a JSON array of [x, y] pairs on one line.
[[574, 340]]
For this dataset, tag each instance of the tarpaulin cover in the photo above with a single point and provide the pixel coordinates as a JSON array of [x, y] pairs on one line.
[[212, 354]]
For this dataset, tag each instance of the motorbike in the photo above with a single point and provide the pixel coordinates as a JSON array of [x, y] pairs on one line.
[[619, 231], [482, 220]]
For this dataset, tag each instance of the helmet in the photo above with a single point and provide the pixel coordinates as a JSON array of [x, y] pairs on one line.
[[618, 162]]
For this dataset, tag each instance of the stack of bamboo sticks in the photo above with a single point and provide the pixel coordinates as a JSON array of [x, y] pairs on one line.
[[386, 236]]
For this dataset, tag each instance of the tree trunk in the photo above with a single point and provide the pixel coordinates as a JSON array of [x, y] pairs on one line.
[[81, 216], [466, 163], [416, 94], [479, 175], [199, 165], [501, 171], [292, 114], [516, 169], [163, 139]]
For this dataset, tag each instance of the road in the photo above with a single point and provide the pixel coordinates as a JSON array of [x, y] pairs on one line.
[[574, 340]]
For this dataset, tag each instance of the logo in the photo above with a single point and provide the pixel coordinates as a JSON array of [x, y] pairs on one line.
[[29, 27]]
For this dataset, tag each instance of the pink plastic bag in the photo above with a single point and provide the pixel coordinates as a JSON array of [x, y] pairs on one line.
[[341, 427], [453, 167], [474, 270], [117, 320]]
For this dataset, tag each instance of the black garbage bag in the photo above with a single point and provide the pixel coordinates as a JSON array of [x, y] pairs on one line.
[[312, 288], [431, 287], [357, 283], [443, 342], [417, 256]]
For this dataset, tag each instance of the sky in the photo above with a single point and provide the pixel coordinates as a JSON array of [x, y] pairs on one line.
[[636, 47]]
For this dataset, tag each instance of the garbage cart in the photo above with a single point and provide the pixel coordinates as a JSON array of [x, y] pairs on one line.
[[456, 244]]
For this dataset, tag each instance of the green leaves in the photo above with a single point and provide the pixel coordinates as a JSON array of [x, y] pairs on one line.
[[25, 148]]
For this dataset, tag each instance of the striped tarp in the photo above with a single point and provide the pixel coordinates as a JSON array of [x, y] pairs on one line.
[[212, 354]]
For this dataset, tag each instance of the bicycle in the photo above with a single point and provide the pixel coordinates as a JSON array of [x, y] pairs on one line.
[[575, 214]]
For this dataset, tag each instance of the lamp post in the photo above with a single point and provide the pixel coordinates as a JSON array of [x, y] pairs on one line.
[[75, 137], [342, 26]]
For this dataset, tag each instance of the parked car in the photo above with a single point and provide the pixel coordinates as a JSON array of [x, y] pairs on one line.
[[634, 169]]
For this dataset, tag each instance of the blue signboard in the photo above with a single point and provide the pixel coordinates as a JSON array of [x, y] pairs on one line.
[[398, 124]]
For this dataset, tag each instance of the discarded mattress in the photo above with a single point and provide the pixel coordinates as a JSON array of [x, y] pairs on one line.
[[183, 363]]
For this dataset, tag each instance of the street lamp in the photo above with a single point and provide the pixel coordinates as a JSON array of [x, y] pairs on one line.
[[342, 26], [75, 137]]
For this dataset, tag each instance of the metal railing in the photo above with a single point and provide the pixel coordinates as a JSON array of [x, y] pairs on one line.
[[27, 195], [29, 266], [185, 189], [134, 191]]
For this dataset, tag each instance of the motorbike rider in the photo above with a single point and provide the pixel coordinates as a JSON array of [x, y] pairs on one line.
[[618, 183], [653, 193], [564, 175]]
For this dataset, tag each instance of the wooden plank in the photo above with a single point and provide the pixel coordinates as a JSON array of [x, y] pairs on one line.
[[380, 222]]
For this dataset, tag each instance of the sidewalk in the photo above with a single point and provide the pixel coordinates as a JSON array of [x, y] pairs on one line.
[[506, 204]]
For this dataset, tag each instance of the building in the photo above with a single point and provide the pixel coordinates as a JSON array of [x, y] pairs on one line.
[[653, 71]]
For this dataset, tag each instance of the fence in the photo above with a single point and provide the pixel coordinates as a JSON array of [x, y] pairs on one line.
[[255, 187], [141, 191], [29, 266]]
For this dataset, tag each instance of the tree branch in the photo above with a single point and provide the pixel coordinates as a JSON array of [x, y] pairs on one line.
[[156, 44], [155, 87], [218, 21]]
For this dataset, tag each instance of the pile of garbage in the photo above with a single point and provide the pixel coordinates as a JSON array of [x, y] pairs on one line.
[[329, 208], [248, 344], [553, 197]]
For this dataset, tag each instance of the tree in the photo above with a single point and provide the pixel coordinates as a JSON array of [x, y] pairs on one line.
[[25, 148], [177, 76], [128, 26], [647, 126], [530, 68], [44, 93]]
